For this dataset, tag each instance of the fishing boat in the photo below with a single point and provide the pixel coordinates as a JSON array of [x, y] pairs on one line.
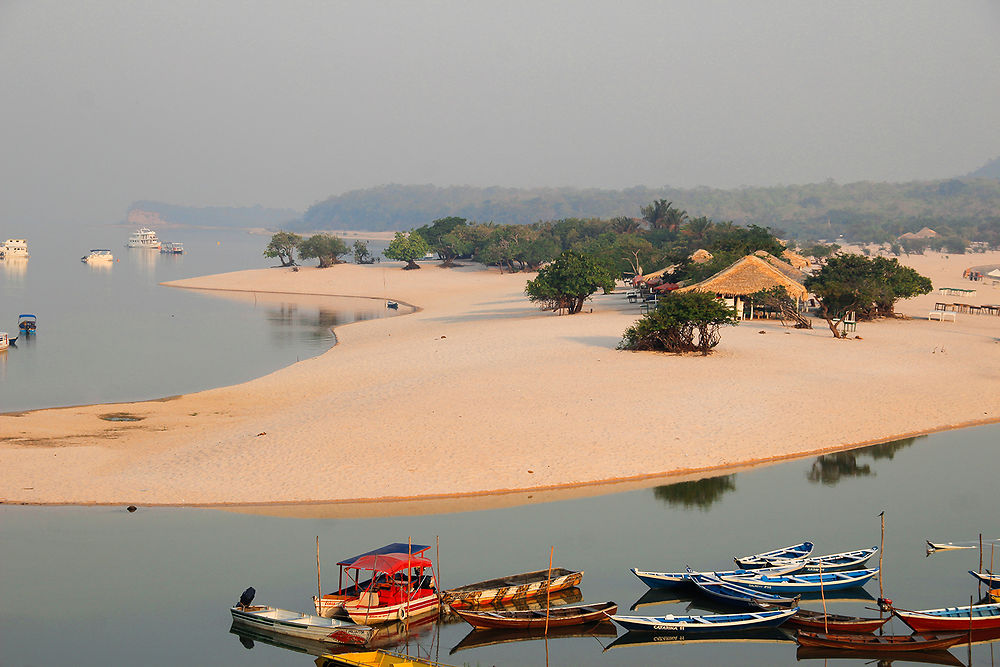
[[894, 643], [332, 604], [14, 248], [27, 323], [848, 560], [379, 659], [804, 583], [741, 596], [295, 624], [172, 248], [683, 579], [143, 238], [838, 624], [511, 587], [793, 552], [988, 578], [707, 623], [396, 589], [540, 618], [969, 617], [98, 255]]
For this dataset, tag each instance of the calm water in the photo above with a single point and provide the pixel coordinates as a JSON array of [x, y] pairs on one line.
[[112, 333], [99, 586]]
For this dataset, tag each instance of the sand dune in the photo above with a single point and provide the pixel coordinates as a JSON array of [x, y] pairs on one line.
[[478, 392]]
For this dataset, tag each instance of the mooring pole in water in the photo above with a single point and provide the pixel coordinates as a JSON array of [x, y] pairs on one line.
[[319, 586], [548, 595], [826, 619], [881, 551]]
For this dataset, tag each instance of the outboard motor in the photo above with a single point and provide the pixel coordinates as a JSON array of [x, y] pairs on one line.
[[247, 598]]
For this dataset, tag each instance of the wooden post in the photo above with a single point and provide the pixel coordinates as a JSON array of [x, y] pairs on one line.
[[548, 592], [437, 564], [881, 551], [826, 619], [409, 584], [319, 586], [980, 565]]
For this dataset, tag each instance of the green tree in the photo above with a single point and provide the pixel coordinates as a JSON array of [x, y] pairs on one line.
[[407, 247], [441, 238], [362, 255], [569, 281], [687, 322], [327, 248], [662, 214], [282, 246]]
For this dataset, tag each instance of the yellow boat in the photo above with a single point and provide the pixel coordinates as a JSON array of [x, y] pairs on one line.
[[378, 659], [995, 594]]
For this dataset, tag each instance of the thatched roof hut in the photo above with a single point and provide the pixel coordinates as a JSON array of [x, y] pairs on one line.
[[925, 233], [700, 256], [749, 275], [795, 259], [783, 266]]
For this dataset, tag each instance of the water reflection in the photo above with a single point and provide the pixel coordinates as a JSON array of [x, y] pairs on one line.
[[830, 468], [481, 638], [701, 493], [14, 268], [145, 258]]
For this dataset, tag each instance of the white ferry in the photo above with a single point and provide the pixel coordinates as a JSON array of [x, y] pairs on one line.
[[14, 248], [143, 238], [98, 255]]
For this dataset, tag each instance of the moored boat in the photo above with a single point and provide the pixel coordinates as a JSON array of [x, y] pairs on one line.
[[804, 583], [515, 586], [893, 643], [98, 255], [6, 340], [847, 560], [969, 617], [988, 578], [332, 604], [552, 617], [799, 551], [836, 623], [706, 623], [295, 624], [14, 248], [683, 579], [143, 238], [172, 248], [27, 323], [741, 596]]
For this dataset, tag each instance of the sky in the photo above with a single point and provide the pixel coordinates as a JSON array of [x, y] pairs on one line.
[[283, 104]]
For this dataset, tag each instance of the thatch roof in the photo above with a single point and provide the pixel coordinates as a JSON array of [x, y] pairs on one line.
[[655, 274], [796, 260], [925, 233], [700, 256], [746, 276], [783, 266]]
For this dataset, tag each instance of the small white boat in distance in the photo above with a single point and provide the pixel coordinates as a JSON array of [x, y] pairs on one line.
[[143, 238], [294, 624], [98, 255], [6, 340], [172, 248], [14, 248]]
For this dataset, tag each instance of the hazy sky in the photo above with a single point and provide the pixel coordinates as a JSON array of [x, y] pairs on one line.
[[235, 102]]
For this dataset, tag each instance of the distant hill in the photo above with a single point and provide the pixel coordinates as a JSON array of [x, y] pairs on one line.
[[817, 210], [153, 213], [989, 170]]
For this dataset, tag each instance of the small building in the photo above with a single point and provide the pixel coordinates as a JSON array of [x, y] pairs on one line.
[[925, 233], [749, 275]]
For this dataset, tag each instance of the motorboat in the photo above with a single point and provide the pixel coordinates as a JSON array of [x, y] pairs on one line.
[[27, 323], [98, 255], [6, 340], [14, 248], [172, 248], [295, 624], [143, 238]]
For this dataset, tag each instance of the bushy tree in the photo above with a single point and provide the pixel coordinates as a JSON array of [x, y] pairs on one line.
[[362, 255], [407, 247], [325, 247], [441, 238], [569, 281], [687, 322], [282, 246]]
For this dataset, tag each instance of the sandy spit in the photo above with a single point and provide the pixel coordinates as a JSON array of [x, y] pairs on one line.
[[479, 392]]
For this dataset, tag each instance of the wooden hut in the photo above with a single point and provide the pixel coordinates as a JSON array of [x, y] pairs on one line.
[[746, 276]]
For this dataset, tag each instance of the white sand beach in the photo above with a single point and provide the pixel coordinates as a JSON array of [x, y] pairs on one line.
[[479, 392]]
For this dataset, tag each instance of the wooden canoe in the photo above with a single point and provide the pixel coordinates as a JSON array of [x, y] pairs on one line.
[[847, 560], [878, 643], [735, 594], [536, 618], [707, 623], [795, 552], [958, 619], [819, 622], [511, 587], [792, 584]]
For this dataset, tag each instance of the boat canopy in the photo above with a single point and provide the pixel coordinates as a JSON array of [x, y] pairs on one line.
[[400, 548], [389, 563], [22, 315]]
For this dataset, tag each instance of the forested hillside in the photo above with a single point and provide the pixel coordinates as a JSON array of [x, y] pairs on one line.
[[862, 211]]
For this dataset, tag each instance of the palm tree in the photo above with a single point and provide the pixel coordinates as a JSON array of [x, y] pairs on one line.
[[624, 225], [661, 214]]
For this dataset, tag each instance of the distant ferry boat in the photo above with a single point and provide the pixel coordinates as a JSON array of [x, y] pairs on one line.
[[14, 248], [172, 247], [98, 255], [143, 238]]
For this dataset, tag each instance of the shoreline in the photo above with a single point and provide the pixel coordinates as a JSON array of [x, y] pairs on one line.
[[506, 339]]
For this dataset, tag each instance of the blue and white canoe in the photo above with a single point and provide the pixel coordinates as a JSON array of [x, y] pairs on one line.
[[988, 578], [847, 560], [742, 596], [707, 623], [793, 552], [657, 580], [797, 584]]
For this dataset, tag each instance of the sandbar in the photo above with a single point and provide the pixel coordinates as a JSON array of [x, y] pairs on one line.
[[478, 392]]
